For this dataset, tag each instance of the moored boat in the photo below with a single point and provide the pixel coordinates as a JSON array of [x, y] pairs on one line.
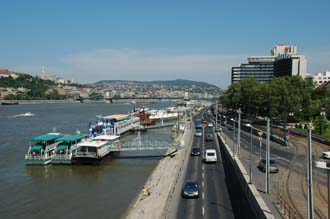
[[63, 151], [41, 149], [95, 149], [116, 124]]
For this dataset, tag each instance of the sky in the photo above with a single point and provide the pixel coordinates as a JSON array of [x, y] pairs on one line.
[[92, 40]]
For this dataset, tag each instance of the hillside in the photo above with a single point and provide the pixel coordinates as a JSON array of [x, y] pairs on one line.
[[177, 82]]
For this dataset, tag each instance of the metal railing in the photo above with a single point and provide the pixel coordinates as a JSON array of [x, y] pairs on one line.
[[61, 157], [84, 154], [36, 157]]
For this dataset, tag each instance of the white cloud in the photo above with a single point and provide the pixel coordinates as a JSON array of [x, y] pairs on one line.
[[127, 64]]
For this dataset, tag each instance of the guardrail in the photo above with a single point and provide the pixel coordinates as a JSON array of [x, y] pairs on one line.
[[84, 154]]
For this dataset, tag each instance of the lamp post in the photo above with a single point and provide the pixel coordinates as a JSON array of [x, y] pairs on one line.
[[234, 137], [325, 166], [260, 143], [250, 171], [310, 174]]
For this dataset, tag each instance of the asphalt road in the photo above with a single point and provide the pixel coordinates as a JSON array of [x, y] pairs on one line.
[[213, 201]]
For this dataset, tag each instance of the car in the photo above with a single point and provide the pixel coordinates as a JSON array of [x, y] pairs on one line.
[[272, 166], [198, 133], [326, 154], [190, 189], [209, 137], [204, 121], [195, 151], [218, 129], [231, 127], [210, 124], [210, 156]]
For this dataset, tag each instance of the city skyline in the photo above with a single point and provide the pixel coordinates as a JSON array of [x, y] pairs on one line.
[[105, 40]]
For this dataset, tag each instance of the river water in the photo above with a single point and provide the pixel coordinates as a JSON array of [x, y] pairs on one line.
[[99, 191]]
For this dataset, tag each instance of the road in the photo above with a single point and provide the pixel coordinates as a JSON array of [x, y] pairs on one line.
[[214, 201]]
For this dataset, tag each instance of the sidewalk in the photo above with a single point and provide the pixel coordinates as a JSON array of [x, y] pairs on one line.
[[153, 199]]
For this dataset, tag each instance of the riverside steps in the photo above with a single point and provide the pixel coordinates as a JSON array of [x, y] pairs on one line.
[[153, 200]]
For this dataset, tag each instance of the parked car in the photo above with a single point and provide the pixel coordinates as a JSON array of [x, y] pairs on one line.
[[210, 124], [190, 189], [272, 166], [210, 156], [195, 151], [326, 154]]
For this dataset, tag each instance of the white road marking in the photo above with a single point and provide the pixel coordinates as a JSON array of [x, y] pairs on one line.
[[203, 168], [203, 211], [203, 176], [203, 195], [203, 185]]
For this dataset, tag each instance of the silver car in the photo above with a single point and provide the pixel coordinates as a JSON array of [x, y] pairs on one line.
[[272, 166]]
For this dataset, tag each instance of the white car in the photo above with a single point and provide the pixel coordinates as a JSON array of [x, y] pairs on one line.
[[210, 124], [326, 154], [198, 134], [210, 156]]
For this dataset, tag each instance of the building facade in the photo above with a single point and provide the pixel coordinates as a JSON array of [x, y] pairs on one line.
[[259, 67], [321, 78], [284, 61]]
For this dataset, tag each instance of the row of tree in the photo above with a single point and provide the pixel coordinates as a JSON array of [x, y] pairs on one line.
[[292, 98]]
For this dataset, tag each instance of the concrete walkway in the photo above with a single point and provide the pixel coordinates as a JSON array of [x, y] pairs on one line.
[[153, 199]]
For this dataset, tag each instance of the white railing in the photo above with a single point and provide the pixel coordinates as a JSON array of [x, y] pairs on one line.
[[61, 157], [35, 157]]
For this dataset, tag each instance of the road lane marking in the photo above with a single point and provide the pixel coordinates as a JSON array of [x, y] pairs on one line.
[[203, 168], [203, 184], [203, 176], [203, 211], [203, 195]]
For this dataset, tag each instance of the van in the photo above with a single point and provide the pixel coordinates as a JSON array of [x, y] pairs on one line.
[[210, 156]]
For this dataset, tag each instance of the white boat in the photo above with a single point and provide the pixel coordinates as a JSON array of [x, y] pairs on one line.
[[95, 149], [64, 150], [165, 114], [24, 114], [116, 124], [41, 149]]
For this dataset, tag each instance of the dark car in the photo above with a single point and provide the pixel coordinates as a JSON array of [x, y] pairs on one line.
[[231, 127], [195, 151], [272, 166], [209, 137], [190, 189], [204, 121]]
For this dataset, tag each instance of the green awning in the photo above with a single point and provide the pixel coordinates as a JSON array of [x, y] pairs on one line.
[[71, 138], [47, 137], [36, 147], [61, 146]]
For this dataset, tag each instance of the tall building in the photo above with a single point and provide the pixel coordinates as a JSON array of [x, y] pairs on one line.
[[284, 61], [259, 67]]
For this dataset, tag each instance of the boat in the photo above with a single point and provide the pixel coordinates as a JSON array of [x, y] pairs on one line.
[[169, 113], [142, 113], [95, 149], [41, 149], [116, 124], [9, 103], [63, 151], [25, 114]]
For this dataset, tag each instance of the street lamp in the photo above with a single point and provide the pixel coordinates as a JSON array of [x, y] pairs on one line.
[[325, 166], [250, 172], [233, 120], [260, 143]]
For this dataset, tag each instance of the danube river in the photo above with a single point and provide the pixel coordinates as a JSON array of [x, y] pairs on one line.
[[99, 191]]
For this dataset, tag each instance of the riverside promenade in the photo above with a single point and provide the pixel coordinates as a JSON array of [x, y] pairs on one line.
[[153, 200]]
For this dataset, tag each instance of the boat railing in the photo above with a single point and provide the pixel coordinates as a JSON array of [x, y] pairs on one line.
[[84, 154], [35, 157], [61, 156]]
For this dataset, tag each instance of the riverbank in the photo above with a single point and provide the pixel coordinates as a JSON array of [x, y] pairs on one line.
[[156, 193]]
